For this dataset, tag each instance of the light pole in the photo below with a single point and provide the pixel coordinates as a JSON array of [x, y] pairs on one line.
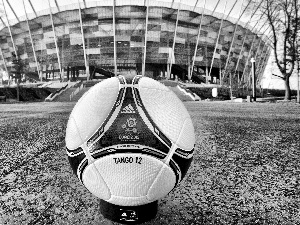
[[253, 79]]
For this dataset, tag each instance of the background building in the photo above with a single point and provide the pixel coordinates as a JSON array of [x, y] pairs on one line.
[[68, 41]]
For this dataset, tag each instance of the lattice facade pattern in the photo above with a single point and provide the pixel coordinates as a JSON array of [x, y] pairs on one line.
[[130, 38]]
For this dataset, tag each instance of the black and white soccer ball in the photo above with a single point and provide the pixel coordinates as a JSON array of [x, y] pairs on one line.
[[130, 140]]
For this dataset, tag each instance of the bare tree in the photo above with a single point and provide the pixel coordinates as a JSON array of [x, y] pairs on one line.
[[283, 17]]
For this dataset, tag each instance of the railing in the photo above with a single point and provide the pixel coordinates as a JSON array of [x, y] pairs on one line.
[[76, 91], [56, 93], [189, 93], [45, 84], [53, 95]]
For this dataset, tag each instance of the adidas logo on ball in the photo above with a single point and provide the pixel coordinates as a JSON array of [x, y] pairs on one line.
[[128, 109], [130, 141]]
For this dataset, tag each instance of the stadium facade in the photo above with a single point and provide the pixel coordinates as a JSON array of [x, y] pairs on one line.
[[107, 37]]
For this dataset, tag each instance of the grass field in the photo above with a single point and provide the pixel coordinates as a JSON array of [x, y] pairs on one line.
[[245, 170]]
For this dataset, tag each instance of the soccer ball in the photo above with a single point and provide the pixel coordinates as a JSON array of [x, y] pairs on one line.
[[130, 140]]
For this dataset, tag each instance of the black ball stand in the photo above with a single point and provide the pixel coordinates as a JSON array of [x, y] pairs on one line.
[[128, 214]]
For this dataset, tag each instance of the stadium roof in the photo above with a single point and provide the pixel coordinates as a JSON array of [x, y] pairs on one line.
[[39, 5], [15, 9]]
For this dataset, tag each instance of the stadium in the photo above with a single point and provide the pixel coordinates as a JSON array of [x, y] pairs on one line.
[[199, 42]]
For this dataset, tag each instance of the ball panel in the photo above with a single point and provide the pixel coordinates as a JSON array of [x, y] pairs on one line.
[[107, 83], [162, 185], [186, 139], [182, 163], [73, 138], [149, 83], [165, 109], [93, 181], [128, 174], [95, 107], [75, 162]]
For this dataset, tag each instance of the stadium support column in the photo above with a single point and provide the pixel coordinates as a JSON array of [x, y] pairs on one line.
[[2, 21], [57, 6], [253, 79], [197, 4], [259, 63], [215, 7], [206, 59], [32, 45], [240, 54], [263, 49], [198, 37], [4, 63], [87, 71], [232, 40], [256, 53], [114, 30], [172, 3], [264, 62], [248, 58], [249, 55], [174, 40], [32, 8], [232, 8], [55, 40], [84, 3], [244, 39], [217, 42], [11, 8], [257, 48], [9, 29], [146, 36]]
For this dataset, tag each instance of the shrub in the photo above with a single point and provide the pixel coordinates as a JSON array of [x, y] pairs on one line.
[[26, 94], [224, 92], [206, 92]]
